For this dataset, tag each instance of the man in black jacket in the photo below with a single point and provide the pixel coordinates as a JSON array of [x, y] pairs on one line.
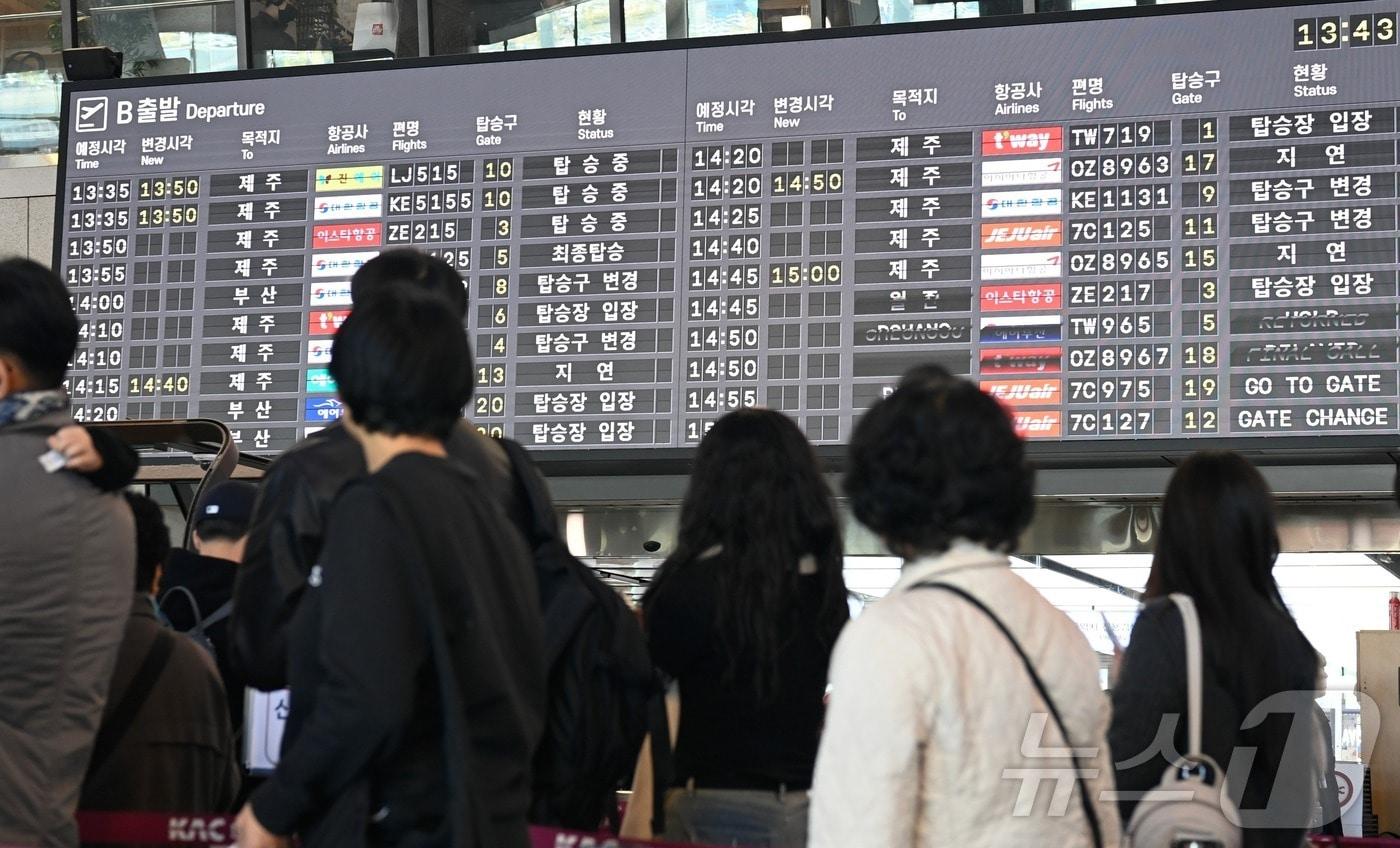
[[196, 587], [416, 649], [290, 518]]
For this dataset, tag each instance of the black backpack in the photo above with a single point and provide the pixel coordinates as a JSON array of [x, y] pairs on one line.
[[199, 632], [604, 692]]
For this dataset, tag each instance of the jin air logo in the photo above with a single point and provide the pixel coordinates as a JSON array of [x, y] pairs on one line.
[[92, 114]]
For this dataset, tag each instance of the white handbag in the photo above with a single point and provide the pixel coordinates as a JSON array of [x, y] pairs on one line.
[[1191, 805]]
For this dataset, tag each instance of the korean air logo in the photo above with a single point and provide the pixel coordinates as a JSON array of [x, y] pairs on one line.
[[340, 264], [330, 294], [319, 353], [92, 114], [1010, 204], [346, 207]]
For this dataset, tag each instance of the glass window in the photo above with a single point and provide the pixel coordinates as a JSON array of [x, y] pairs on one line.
[[162, 37], [645, 20], [284, 33], [31, 76], [563, 25], [734, 17], [594, 22], [862, 12]]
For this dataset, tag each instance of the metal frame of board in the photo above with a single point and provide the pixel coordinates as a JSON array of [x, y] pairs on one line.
[[1305, 451]]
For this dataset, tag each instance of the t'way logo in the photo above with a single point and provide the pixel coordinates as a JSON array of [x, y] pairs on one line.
[[1022, 140]]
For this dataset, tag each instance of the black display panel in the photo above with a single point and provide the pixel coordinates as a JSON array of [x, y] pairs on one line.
[[1169, 228]]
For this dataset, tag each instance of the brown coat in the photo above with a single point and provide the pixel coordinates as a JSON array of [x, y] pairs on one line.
[[178, 753]]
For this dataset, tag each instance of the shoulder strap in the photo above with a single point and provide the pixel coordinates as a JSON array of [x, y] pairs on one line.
[[115, 728], [189, 598], [218, 615], [1191, 626], [1090, 814], [543, 525], [663, 765]]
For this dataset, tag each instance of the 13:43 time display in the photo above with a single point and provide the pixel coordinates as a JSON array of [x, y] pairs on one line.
[[1352, 31]]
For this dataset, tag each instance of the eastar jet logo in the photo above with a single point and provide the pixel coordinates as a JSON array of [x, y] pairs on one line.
[[1027, 234], [92, 114], [1023, 392], [1023, 140], [1021, 297], [346, 235]]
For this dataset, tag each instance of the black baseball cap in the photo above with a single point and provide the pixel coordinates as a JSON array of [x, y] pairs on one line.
[[230, 503]]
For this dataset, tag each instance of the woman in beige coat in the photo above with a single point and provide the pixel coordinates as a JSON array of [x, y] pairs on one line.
[[937, 733]]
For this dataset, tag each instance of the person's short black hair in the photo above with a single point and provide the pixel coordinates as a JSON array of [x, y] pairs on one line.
[[403, 365], [37, 324], [219, 530], [939, 461], [152, 539], [406, 269]]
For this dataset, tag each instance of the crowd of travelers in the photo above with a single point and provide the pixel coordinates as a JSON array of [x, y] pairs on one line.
[[456, 675]]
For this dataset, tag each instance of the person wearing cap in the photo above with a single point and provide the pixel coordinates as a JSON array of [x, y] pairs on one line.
[[196, 586]]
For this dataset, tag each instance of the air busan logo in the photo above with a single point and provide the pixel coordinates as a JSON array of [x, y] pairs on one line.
[[1023, 140]]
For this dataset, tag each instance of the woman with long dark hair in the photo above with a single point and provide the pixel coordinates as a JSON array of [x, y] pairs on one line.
[[1218, 543], [743, 615]]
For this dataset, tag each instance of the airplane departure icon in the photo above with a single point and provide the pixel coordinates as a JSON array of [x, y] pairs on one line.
[[92, 114]]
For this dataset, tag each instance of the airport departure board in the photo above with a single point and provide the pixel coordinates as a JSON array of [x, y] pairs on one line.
[[1170, 226]]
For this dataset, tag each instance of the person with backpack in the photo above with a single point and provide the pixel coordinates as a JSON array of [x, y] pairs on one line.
[[196, 587], [604, 695], [165, 743], [743, 615], [288, 528], [1212, 581], [965, 709], [416, 651]]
